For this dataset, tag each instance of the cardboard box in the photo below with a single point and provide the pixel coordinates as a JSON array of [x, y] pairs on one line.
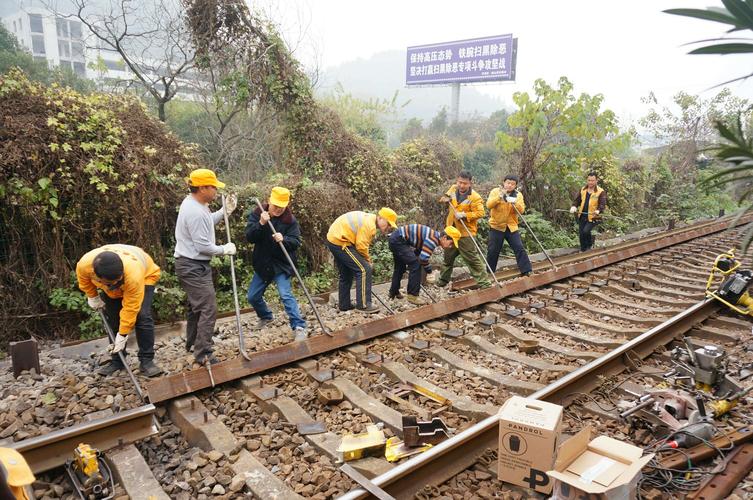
[[528, 433], [600, 468]]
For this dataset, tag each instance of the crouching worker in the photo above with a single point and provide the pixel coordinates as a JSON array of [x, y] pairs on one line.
[[349, 239], [127, 275], [270, 263], [412, 247]]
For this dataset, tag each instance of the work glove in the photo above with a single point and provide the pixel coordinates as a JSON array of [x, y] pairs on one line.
[[264, 218], [573, 210], [228, 249], [120, 343], [278, 237], [96, 302], [596, 212], [511, 198], [231, 202], [460, 215]]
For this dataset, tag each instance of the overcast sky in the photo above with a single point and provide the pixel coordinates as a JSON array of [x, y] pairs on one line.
[[622, 49]]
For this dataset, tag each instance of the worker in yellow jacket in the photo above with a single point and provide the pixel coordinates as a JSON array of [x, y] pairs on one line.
[[349, 239], [466, 208], [503, 224], [16, 476], [589, 203], [127, 275]]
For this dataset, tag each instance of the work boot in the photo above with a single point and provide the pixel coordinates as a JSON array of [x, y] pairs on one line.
[[149, 369], [209, 358], [369, 309], [263, 322], [300, 333], [528, 273], [416, 300], [397, 296], [111, 368], [441, 284]]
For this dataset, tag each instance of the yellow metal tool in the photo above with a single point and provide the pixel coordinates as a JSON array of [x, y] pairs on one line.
[[397, 449], [731, 289], [369, 443]]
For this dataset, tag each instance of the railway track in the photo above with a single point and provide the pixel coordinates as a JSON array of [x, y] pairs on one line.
[[269, 431]]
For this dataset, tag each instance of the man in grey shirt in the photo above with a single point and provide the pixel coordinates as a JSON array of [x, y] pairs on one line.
[[194, 247]]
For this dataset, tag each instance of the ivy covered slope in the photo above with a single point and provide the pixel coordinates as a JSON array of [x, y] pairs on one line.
[[76, 171]]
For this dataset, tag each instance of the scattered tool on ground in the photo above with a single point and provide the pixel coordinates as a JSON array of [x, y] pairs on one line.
[[91, 476]]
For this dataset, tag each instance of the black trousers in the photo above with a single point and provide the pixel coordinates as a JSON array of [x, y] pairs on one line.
[[144, 323], [497, 240], [351, 264], [584, 233], [405, 257]]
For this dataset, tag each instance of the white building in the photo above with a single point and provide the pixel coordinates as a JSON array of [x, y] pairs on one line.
[[62, 42]]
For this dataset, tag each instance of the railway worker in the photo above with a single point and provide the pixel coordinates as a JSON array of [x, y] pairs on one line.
[[16, 476], [503, 224], [269, 261], [412, 247], [466, 207], [194, 247], [589, 203], [349, 239], [127, 276]]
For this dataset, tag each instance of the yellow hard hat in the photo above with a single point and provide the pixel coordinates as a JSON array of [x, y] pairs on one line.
[[17, 470], [453, 233], [280, 197], [204, 177], [389, 215]]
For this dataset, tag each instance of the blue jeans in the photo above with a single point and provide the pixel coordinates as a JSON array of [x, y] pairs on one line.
[[256, 298]]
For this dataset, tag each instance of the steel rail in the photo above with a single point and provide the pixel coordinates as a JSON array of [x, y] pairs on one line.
[[51, 450], [172, 386], [451, 457], [513, 272]]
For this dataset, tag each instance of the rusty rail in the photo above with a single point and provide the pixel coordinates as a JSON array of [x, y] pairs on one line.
[[513, 272], [176, 385], [451, 457], [52, 450]]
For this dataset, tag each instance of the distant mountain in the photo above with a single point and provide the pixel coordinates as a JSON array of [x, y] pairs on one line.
[[384, 73]]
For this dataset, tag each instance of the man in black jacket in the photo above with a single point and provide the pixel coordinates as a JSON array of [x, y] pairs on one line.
[[269, 260]]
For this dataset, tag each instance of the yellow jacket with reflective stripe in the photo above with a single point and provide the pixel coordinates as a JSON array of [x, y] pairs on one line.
[[472, 205], [354, 229], [139, 270], [593, 202], [501, 214]]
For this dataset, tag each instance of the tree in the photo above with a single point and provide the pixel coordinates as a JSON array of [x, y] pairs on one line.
[[736, 143], [412, 129], [362, 117], [555, 138], [152, 39], [688, 127], [439, 123]]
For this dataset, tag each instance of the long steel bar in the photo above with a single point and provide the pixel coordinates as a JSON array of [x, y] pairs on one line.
[[53, 449], [238, 324], [513, 271], [173, 386], [456, 454]]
